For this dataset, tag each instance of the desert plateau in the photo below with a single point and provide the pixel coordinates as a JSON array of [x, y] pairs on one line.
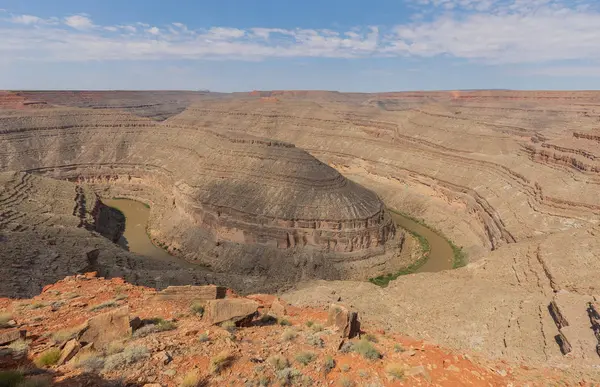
[[190, 238]]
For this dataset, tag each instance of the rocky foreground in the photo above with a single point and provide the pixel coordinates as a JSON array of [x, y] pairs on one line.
[[89, 331]]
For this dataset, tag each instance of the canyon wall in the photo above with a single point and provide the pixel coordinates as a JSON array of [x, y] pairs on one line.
[[231, 201]]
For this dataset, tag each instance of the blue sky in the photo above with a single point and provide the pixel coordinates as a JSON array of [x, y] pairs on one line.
[[349, 45]]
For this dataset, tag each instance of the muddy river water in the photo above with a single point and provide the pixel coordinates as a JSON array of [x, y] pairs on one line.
[[136, 240], [441, 255]]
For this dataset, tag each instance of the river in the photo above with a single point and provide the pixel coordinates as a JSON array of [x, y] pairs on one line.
[[136, 240], [441, 255]]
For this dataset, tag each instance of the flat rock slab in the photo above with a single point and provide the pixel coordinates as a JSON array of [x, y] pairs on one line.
[[193, 293], [238, 310], [7, 336], [107, 327]]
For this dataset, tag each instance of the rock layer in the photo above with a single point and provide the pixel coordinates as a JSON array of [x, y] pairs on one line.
[[231, 201]]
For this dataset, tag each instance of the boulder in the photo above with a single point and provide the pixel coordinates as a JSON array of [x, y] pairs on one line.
[[105, 328], [344, 321], [69, 351], [7, 336], [278, 308], [239, 310]]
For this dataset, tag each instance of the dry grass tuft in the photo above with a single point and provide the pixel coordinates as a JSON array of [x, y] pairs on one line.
[[48, 358], [219, 362]]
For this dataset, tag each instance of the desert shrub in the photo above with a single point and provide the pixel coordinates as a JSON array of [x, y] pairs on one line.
[[48, 358], [191, 379], [203, 338], [70, 295], [219, 362], [398, 348], [153, 326], [104, 305], [346, 382], [346, 347], [395, 370], [305, 357], [10, 378], [345, 367], [289, 334], [284, 322], [363, 373], [264, 381], [328, 364], [366, 349], [310, 323], [317, 328], [4, 319], [36, 381], [278, 362], [229, 326], [89, 361], [315, 341], [115, 347], [130, 355], [197, 309], [38, 305], [371, 337], [19, 348], [121, 296], [288, 376]]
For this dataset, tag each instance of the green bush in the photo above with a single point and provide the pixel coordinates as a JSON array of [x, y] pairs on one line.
[[315, 341], [278, 362], [329, 364], [366, 349], [284, 322], [48, 358], [305, 358], [153, 326], [288, 376], [10, 378], [197, 309]]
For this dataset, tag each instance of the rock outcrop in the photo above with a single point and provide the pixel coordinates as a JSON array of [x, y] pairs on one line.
[[237, 310], [344, 321], [105, 328]]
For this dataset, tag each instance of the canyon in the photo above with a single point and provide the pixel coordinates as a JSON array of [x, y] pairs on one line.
[[295, 192]]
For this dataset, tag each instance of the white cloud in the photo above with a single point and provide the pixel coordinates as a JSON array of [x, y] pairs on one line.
[[79, 22], [25, 19], [488, 31]]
